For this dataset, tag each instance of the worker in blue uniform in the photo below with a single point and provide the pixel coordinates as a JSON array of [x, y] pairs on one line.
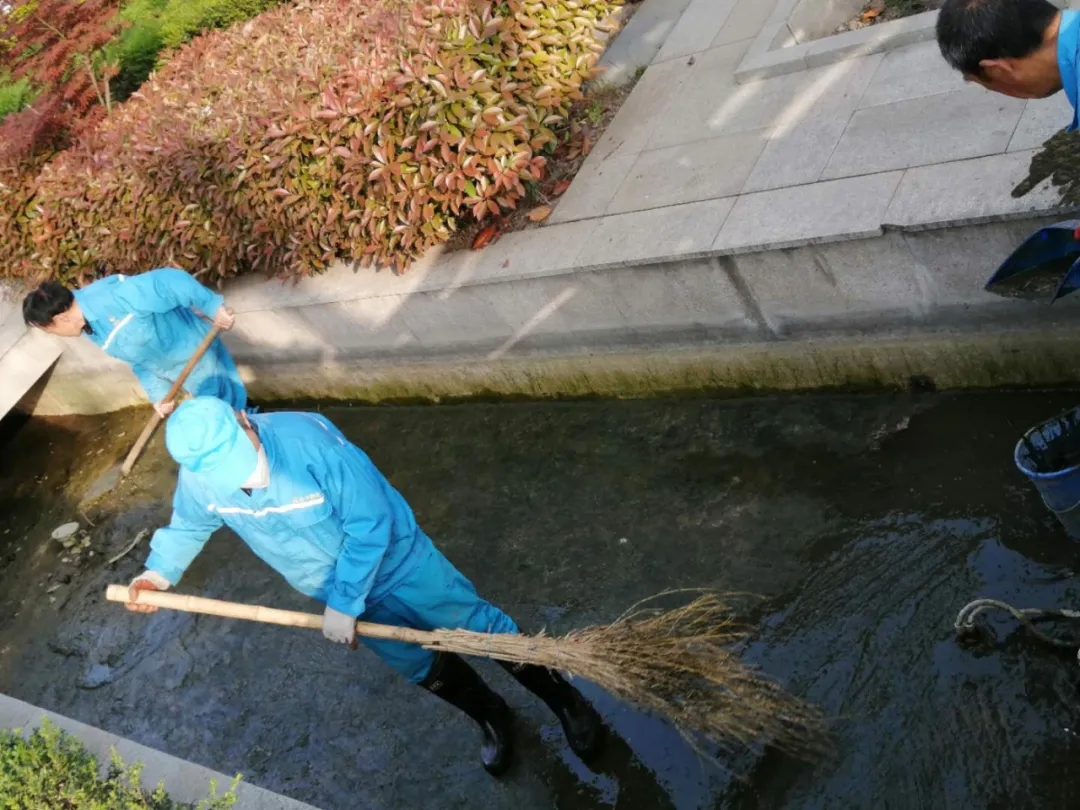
[[153, 322], [315, 508], [1020, 48]]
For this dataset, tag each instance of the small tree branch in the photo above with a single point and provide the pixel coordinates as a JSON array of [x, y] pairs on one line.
[[50, 26], [89, 65]]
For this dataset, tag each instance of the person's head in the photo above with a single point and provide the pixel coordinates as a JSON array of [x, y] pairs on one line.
[[213, 443], [52, 308], [1008, 46]]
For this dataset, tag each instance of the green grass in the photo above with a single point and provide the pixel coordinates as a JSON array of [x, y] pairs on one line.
[[155, 26], [51, 770]]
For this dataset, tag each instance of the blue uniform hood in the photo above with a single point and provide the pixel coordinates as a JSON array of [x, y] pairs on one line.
[[204, 436]]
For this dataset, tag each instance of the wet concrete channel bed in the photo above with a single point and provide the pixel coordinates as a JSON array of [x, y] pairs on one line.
[[866, 522]]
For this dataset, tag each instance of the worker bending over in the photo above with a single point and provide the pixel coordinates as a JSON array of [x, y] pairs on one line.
[[315, 508], [153, 322], [1020, 48]]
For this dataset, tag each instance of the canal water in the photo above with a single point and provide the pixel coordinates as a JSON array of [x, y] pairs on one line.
[[863, 522]]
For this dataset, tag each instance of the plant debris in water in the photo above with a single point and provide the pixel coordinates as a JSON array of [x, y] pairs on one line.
[[1058, 160]]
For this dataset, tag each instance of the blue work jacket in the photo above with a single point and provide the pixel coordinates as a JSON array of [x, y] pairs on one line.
[[148, 322], [329, 521]]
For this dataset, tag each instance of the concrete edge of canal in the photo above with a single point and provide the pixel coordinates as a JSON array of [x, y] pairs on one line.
[[859, 314], [184, 781]]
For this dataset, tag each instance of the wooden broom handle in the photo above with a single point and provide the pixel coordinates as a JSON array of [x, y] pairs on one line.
[[265, 615], [155, 420]]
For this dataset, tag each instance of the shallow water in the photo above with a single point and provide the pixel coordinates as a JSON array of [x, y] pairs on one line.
[[866, 522]]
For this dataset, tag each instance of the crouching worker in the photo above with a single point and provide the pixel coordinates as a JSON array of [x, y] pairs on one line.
[[152, 322], [315, 508]]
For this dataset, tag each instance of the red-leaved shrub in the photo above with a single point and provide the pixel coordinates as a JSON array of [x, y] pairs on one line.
[[53, 44], [334, 129]]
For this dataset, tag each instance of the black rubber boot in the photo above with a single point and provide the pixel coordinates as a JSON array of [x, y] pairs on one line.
[[453, 680], [584, 730]]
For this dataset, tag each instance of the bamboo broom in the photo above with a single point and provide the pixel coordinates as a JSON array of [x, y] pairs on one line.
[[678, 663]]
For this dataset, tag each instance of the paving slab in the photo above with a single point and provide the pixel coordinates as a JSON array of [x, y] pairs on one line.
[[641, 39], [841, 209], [717, 167], [797, 156], [745, 21], [699, 26], [951, 126], [912, 72], [629, 132], [592, 191], [677, 231], [534, 253], [967, 192], [1042, 119], [705, 88], [710, 104]]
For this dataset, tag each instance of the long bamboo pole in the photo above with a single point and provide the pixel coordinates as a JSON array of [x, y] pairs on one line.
[[265, 615], [155, 420]]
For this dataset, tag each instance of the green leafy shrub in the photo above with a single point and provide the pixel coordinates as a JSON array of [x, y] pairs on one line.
[[329, 130], [135, 54], [14, 96], [52, 770], [154, 26], [183, 19]]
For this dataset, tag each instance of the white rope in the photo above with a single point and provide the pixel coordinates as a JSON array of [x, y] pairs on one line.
[[965, 620]]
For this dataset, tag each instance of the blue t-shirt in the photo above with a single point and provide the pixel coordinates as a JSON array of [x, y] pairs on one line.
[[1068, 46]]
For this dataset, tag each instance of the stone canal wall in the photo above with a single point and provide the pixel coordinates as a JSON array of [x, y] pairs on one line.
[[870, 312]]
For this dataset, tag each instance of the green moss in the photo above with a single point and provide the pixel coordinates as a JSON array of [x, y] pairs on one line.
[[944, 362]]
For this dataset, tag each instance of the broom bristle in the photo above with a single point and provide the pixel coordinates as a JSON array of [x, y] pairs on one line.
[[680, 663]]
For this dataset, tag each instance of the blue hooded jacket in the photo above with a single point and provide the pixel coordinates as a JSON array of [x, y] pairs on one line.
[[147, 321], [329, 521]]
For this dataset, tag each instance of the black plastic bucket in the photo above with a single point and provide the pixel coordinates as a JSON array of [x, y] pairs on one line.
[[1049, 455]]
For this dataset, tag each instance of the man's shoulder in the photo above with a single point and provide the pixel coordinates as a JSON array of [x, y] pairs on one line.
[[301, 426]]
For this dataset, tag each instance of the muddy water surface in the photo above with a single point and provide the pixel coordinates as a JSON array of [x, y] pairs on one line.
[[866, 522]]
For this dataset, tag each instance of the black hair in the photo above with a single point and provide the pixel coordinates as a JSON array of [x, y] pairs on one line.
[[970, 31], [46, 302]]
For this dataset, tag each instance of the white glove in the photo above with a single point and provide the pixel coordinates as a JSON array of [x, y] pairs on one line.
[[164, 408], [338, 627], [154, 578], [146, 581]]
